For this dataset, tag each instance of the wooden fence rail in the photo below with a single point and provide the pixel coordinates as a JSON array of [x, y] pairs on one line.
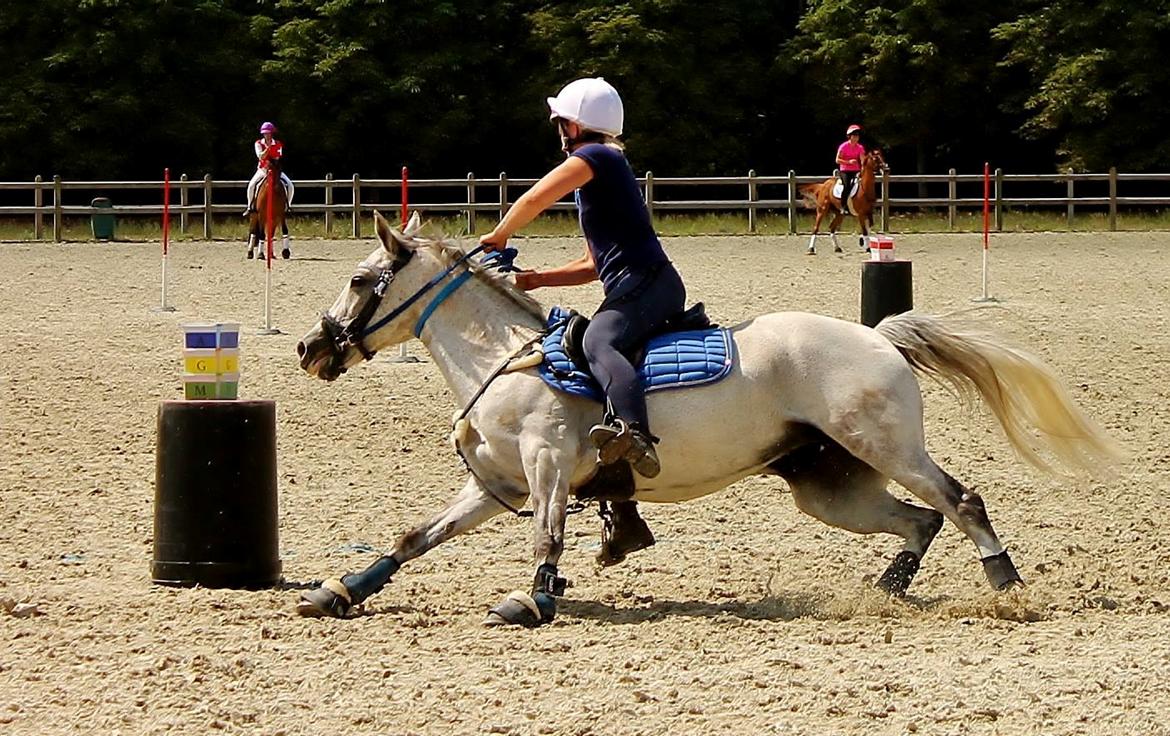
[[746, 194]]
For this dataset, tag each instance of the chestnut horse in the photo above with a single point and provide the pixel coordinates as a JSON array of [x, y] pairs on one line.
[[861, 205], [259, 218]]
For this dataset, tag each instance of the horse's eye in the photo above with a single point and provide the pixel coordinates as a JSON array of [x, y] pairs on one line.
[[357, 281]]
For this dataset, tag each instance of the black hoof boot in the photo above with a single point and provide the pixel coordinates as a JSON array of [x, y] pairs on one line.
[[1001, 573], [623, 531], [897, 577]]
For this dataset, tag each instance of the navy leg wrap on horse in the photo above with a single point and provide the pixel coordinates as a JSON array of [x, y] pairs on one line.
[[362, 585]]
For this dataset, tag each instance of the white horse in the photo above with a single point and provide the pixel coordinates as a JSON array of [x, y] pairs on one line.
[[836, 411]]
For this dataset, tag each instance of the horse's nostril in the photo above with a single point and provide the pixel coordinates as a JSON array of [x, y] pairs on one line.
[[301, 349]]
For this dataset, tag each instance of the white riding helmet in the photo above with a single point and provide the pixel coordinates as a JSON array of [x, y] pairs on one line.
[[590, 102]]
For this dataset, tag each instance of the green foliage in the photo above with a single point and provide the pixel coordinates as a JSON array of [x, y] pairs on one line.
[[1099, 66], [121, 88]]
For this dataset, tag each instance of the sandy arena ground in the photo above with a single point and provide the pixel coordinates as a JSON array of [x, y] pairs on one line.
[[746, 618]]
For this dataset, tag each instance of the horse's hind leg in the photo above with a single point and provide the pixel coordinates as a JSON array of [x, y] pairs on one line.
[[966, 509], [470, 508], [887, 434], [836, 223], [830, 484]]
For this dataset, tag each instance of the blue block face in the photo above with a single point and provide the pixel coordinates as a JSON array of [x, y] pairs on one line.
[[201, 340], [207, 340]]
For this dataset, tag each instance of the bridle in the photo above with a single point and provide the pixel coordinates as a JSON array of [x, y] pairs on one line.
[[354, 333]]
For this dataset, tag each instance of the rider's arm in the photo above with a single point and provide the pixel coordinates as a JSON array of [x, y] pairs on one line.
[[572, 174], [575, 272], [841, 160]]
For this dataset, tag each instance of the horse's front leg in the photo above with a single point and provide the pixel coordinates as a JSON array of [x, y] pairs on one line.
[[469, 509], [548, 471]]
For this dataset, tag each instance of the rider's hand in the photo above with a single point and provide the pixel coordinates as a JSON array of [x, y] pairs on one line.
[[493, 242], [527, 280]]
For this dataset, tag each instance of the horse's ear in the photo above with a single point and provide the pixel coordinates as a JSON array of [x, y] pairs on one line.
[[392, 240], [413, 225]]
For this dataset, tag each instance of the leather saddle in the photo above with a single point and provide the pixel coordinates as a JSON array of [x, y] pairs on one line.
[[694, 318]]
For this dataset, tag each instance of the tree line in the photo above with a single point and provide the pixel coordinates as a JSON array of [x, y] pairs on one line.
[[121, 88]]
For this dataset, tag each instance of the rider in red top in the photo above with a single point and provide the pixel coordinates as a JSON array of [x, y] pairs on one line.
[[267, 149], [849, 156]]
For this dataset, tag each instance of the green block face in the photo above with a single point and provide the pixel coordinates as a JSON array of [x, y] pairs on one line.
[[229, 390], [200, 391]]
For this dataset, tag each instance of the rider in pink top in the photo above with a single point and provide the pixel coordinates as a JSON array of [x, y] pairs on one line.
[[849, 155]]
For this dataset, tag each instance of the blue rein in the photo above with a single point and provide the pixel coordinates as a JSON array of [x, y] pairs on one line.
[[500, 260]]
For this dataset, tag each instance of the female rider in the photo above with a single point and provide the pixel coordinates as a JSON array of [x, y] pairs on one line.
[[849, 156], [642, 288], [266, 148]]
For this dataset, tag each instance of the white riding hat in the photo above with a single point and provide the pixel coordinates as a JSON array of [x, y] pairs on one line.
[[590, 102]]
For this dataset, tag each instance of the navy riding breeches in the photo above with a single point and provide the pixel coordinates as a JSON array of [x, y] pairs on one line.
[[632, 313]]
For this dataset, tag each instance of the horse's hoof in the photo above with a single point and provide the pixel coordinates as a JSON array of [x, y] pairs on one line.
[[1001, 572], [249, 255], [811, 252], [837, 249], [331, 599], [517, 609], [286, 254]]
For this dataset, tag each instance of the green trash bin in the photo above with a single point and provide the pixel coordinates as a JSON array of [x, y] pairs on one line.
[[102, 223]]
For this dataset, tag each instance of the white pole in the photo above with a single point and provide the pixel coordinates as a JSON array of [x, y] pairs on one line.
[[166, 237]]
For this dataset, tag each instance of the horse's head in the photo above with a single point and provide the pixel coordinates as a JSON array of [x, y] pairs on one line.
[[356, 326], [874, 161]]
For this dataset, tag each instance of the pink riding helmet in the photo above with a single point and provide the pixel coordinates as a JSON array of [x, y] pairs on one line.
[[855, 128], [267, 128]]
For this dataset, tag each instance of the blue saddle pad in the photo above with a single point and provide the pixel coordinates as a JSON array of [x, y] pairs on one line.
[[673, 360]]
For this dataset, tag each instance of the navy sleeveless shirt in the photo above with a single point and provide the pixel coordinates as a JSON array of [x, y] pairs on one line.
[[614, 219]]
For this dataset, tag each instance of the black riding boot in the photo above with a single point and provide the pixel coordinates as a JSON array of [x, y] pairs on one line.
[[846, 185], [623, 531]]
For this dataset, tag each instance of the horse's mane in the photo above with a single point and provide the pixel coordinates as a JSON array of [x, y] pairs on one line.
[[448, 251]]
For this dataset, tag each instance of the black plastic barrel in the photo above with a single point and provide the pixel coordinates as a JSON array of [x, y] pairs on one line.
[[215, 502], [887, 287]]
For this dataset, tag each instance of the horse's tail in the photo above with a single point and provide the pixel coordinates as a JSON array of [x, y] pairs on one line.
[[1032, 406], [808, 193]]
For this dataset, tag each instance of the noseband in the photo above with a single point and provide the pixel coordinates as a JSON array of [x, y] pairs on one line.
[[359, 328]]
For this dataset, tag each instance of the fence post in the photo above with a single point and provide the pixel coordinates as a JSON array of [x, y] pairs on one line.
[[503, 194], [207, 206], [357, 206], [751, 200], [38, 202], [648, 194], [885, 201], [470, 203], [183, 199], [1112, 197], [57, 208], [328, 204], [952, 192], [999, 200], [791, 202], [1070, 199]]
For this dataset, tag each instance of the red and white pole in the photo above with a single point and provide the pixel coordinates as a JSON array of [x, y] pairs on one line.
[[986, 223], [402, 357], [405, 186], [166, 237], [268, 254]]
